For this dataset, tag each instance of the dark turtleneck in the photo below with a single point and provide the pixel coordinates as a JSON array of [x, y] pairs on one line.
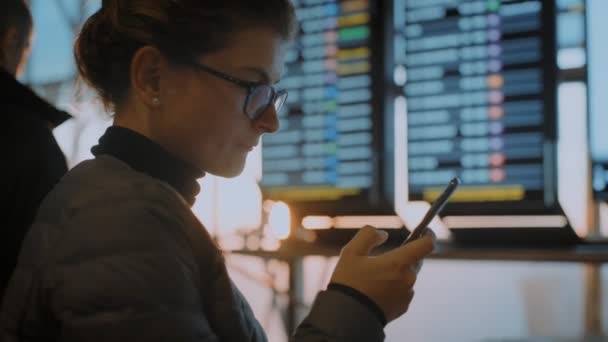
[[146, 156]]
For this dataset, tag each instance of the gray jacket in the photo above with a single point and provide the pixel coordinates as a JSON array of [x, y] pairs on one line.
[[116, 255]]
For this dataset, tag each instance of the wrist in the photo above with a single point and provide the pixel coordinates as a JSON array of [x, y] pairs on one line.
[[361, 298]]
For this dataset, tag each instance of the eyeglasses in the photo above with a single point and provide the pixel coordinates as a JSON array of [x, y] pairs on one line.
[[259, 96]]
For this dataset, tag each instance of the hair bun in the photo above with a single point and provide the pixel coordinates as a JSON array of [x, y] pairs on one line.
[[105, 4], [180, 29]]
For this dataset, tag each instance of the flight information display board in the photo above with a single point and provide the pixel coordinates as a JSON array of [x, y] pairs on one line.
[[479, 98], [325, 149]]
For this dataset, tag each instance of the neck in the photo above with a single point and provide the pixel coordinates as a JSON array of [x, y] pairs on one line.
[[133, 119], [141, 123]]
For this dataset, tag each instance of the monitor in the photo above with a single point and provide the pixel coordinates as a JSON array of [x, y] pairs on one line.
[[475, 82], [327, 157], [597, 73]]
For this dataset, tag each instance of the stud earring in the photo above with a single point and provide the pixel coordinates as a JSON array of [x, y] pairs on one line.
[[156, 101]]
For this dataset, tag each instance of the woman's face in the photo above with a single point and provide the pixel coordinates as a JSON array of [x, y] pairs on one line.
[[201, 116]]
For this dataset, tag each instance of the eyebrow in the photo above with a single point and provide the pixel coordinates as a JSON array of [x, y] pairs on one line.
[[264, 76]]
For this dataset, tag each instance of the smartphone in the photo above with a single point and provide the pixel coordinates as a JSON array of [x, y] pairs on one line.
[[435, 209]]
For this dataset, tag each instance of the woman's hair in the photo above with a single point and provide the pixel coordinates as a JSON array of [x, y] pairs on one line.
[[180, 29]]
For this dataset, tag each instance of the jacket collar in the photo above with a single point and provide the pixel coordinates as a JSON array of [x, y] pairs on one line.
[[18, 95]]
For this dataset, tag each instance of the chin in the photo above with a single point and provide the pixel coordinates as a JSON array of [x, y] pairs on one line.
[[227, 170]]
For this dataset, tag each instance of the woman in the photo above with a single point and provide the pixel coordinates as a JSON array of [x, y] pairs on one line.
[[115, 252]]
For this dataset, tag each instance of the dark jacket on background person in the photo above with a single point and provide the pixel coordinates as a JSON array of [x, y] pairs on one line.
[[116, 254], [31, 165]]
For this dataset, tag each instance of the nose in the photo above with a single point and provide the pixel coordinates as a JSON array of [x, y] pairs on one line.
[[268, 122]]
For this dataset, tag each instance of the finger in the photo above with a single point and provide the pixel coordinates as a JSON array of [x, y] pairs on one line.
[[417, 266], [364, 241], [410, 296], [420, 262], [431, 233], [410, 278], [414, 251], [427, 232]]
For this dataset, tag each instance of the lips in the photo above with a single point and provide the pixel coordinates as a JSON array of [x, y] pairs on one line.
[[251, 146]]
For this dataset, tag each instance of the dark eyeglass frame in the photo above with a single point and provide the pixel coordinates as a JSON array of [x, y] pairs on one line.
[[249, 86]]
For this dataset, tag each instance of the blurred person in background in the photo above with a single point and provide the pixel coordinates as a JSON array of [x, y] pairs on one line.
[[32, 162], [116, 253]]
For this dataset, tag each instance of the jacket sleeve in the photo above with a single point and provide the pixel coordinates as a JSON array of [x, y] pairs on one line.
[[37, 164], [130, 278], [336, 316]]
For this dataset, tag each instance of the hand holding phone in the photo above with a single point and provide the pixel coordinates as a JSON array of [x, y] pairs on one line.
[[435, 209]]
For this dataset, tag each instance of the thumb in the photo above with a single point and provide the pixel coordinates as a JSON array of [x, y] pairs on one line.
[[366, 239], [414, 251]]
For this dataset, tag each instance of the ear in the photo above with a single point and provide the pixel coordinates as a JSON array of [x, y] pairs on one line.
[[10, 39], [145, 75]]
